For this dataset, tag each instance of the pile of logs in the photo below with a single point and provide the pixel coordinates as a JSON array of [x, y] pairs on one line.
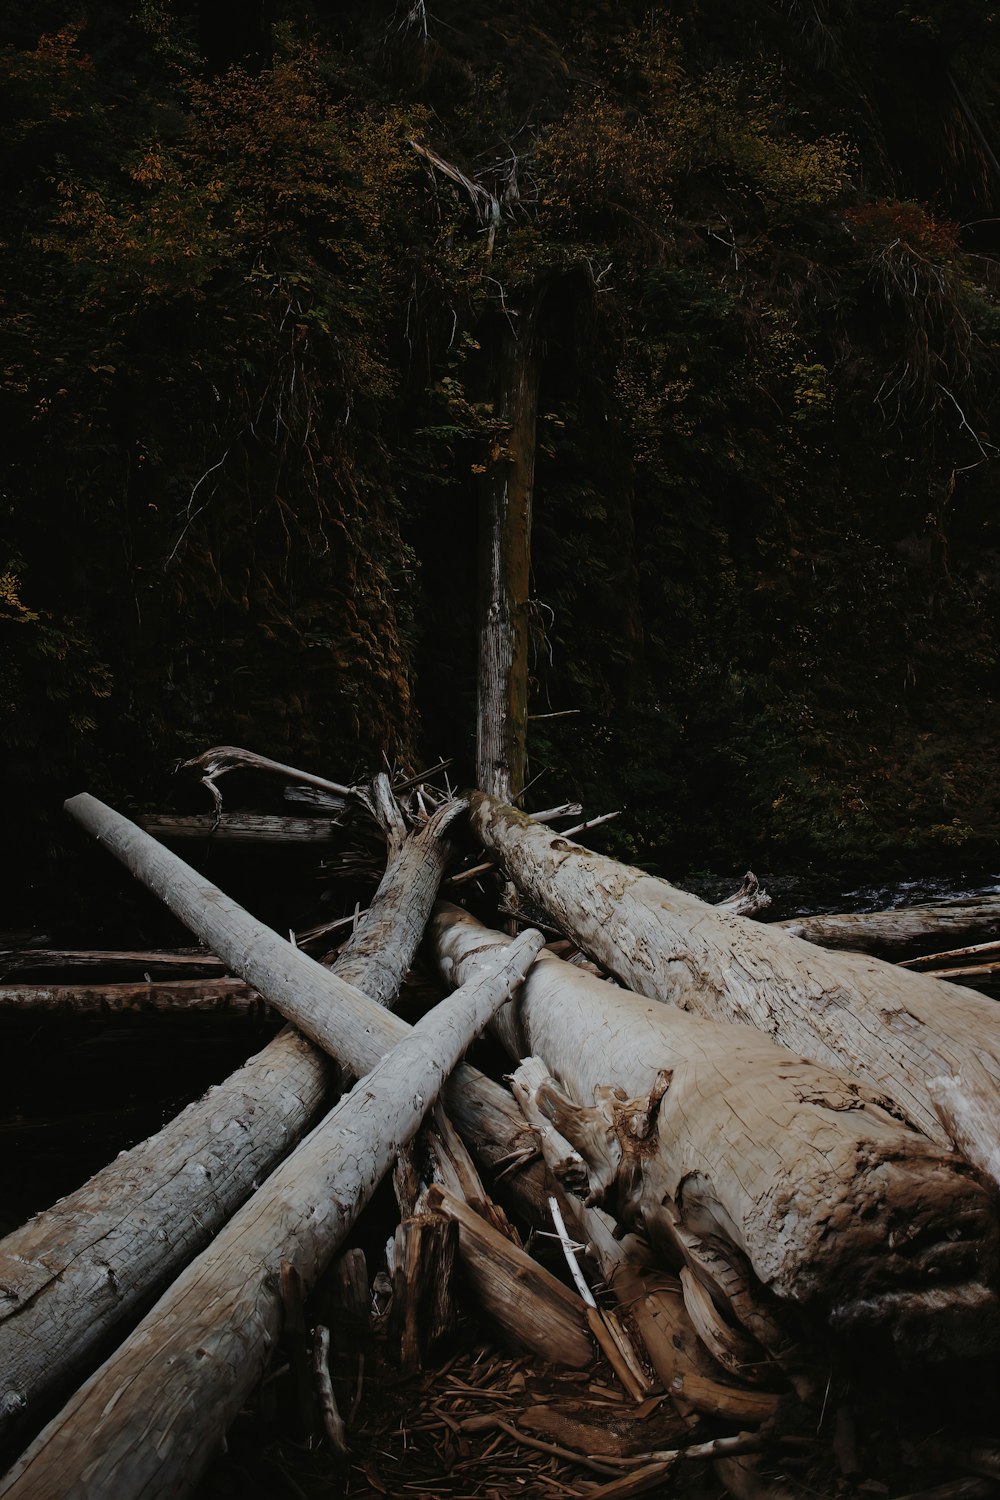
[[749, 1149]]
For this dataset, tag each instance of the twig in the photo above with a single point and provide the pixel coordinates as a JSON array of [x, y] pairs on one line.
[[554, 1449], [645, 1478], [568, 833], [569, 1250]]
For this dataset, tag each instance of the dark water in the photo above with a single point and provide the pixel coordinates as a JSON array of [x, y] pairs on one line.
[[806, 896]]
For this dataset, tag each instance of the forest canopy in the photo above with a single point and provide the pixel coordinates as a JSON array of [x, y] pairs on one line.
[[248, 321]]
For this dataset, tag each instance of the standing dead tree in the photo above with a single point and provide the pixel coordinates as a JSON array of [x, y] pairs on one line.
[[505, 556]]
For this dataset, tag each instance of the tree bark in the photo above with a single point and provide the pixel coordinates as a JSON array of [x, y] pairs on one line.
[[896, 1031], [72, 1276], [148, 1421], [172, 995], [839, 1207], [505, 560], [166, 960], [903, 928]]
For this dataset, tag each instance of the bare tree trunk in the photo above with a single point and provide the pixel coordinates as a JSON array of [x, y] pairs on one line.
[[149, 1420], [838, 1206], [505, 561], [73, 1275], [902, 928], [896, 1031]]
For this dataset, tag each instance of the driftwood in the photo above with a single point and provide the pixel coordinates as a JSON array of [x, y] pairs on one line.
[[895, 1031], [168, 961], [221, 759], [902, 928], [72, 1275], [986, 952], [150, 1419], [338, 1017], [173, 995], [838, 1206]]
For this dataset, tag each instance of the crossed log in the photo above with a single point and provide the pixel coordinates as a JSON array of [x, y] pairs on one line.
[[819, 1183]]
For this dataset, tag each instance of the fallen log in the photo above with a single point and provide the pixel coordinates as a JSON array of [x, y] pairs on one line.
[[150, 1419], [839, 1207], [239, 828], [72, 1276], [980, 951], [169, 960], [901, 928], [894, 1030], [340, 1019], [173, 995]]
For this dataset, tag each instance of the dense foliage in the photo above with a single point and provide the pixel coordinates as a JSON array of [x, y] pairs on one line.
[[246, 330]]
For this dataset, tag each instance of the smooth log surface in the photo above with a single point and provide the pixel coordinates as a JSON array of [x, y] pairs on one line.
[[149, 1420], [505, 558], [72, 1275], [902, 928], [837, 1205], [894, 1030]]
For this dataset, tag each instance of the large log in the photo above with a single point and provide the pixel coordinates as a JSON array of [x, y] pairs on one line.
[[896, 1031], [150, 1419], [72, 1276], [838, 1206], [903, 928]]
